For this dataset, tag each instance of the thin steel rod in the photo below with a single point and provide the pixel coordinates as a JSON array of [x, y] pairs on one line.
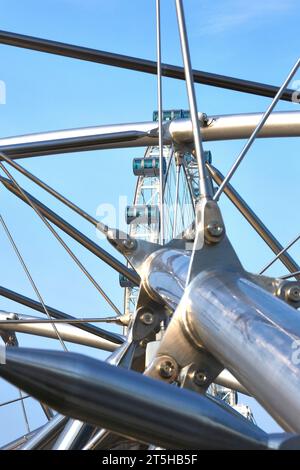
[[178, 168], [24, 412], [280, 253], [57, 236], [15, 400], [40, 320], [33, 304], [254, 220], [256, 131], [32, 282], [204, 189], [137, 64], [60, 197], [24, 324], [17, 443], [76, 234], [46, 433], [287, 276], [160, 123]]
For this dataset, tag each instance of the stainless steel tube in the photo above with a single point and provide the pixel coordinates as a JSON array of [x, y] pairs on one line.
[[67, 332], [218, 127], [46, 434], [127, 402], [138, 64], [255, 335]]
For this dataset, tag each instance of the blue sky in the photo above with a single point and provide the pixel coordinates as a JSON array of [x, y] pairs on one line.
[[253, 40]]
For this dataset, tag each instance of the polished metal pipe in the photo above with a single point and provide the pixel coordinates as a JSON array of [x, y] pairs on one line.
[[253, 220], [204, 187], [17, 443], [164, 275], [226, 379], [76, 141], [67, 332], [137, 64], [215, 127], [75, 435], [28, 302], [254, 335], [127, 402], [46, 434], [237, 126]]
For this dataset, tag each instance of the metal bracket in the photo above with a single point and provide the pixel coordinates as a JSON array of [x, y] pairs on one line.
[[288, 291], [9, 337]]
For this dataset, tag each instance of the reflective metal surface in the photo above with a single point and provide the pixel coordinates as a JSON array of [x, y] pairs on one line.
[[67, 332], [254, 335], [134, 63], [46, 434], [223, 127], [104, 395]]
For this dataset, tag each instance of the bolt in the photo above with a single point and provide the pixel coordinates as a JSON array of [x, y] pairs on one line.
[[166, 369], [215, 229], [293, 293], [143, 343], [200, 378], [147, 318], [129, 244]]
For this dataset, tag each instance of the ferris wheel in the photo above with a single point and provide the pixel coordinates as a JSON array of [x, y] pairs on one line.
[[196, 328]]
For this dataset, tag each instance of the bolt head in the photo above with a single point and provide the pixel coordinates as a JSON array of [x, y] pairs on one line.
[[200, 378], [215, 229], [128, 244], [147, 318], [166, 369], [293, 293]]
